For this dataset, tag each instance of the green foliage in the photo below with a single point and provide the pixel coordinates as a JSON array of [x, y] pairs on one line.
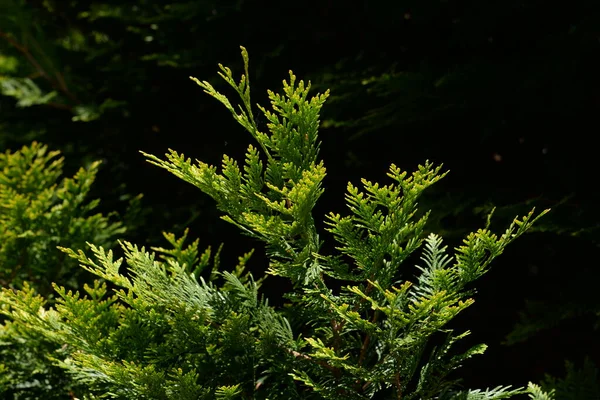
[[161, 334], [39, 61], [578, 384], [107, 65], [356, 325], [26, 371], [38, 212], [447, 72], [581, 384], [536, 392], [25, 91], [464, 87]]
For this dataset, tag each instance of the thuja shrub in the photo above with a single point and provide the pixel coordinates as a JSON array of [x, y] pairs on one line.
[[40, 210], [175, 325]]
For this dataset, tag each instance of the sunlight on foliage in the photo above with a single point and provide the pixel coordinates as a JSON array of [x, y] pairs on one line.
[[164, 324]]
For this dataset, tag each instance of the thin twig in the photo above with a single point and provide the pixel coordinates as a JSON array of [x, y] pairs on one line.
[[340, 326], [60, 106], [59, 83], [60, 80], [398, 386], [336, 334], [25, 51], [365, 345]]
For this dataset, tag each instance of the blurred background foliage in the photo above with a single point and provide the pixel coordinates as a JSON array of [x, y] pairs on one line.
[[504, 93]]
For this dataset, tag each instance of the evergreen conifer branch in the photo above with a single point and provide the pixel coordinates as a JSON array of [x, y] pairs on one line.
[[167, 332], [272, 203], [38, 212], [383, 230], [536, 393]]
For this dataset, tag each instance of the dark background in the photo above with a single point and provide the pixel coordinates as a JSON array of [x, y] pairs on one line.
[[504, 93]]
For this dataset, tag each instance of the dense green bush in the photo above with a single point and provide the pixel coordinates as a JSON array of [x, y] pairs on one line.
[[38, 212], [355, 324], [493, 86]]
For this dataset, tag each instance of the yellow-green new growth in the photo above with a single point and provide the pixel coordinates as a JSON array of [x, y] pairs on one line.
[[356, 324]]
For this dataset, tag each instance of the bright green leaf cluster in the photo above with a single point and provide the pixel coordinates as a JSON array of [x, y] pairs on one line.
[[40, 211], [356, 324], [271, 197]]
